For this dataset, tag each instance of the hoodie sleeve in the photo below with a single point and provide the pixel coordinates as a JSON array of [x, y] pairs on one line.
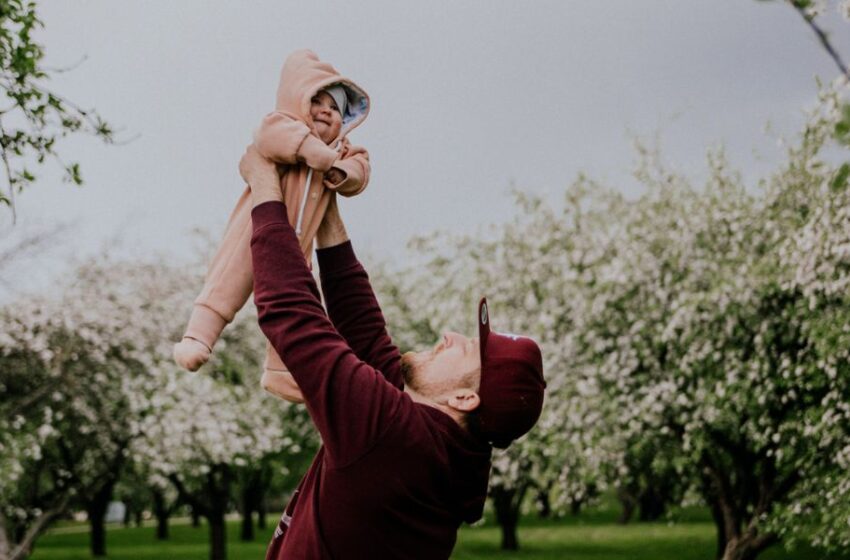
[[354, 162], [355, 312], [350, 403], [286, 139]]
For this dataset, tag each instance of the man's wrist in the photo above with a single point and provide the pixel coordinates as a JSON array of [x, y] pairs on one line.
[[265, 187], [331, 236], [263, 195]]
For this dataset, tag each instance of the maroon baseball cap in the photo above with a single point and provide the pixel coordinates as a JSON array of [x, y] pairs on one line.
[[512, 383]]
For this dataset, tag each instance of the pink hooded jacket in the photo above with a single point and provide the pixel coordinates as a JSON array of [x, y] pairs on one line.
[[287, 136]]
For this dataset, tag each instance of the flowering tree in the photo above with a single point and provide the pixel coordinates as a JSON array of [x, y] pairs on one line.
[[67, 362], [88, 385], [708, 326], [751, 379], [35, 484], [810, 202], [530, 272], [699, 332], [71, 365], [202, 433]]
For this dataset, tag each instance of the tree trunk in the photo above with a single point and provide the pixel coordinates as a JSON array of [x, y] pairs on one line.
[[509, 534], [4, 541], [22, 548], [721, 530], [218, 536], [575, 507], [733, 541], [211, 502], [748, 546], [261, 512], [544, 505], [97, 518], [218, 490], [98, 533], [738, 549], [196, 517], [247, 533], [138, 518], [629, 503], [162, 528], [161, 512], [249, 504], [652, 505], [506, 502]]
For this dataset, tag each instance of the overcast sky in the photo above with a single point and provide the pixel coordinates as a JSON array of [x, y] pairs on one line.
[[468, 99]]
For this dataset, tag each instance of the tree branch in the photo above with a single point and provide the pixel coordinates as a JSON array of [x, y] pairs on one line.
[[188, 498], [823, 38], [764, 540], [24, 547], [723, 494], [8, 168]]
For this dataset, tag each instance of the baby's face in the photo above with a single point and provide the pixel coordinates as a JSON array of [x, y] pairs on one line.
[[326, 116]]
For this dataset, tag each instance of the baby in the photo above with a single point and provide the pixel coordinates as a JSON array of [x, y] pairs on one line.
[[307, 133]]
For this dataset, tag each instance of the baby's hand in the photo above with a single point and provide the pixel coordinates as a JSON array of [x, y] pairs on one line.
[[335, 176]]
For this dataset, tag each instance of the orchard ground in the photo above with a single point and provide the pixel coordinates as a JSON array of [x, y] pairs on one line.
[[594, 535]]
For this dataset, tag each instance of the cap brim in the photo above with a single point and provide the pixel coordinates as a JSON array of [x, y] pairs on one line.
[[483, 327]]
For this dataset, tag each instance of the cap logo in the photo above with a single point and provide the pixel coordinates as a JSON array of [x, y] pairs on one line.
[[484, 314]]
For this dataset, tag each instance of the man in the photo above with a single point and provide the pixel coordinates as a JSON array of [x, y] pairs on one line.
[[406, 439]]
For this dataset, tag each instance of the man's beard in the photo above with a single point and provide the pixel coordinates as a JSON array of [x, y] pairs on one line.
[[408, 370], [410, 364]]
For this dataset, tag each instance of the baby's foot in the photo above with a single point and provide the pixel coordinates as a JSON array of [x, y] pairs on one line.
[[191, 354], [281, 384]]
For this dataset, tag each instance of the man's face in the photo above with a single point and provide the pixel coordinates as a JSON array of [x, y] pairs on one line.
[[326, 116], [453, 363]]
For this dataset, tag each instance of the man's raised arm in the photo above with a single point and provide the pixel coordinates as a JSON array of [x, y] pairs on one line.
[[350, 300], [350, 403]]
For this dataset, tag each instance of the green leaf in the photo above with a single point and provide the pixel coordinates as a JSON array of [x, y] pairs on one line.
[[841, 132], [72, 174], [839, 182]]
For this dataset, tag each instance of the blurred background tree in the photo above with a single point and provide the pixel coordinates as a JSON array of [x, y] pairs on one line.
[[35, 117], [695, 341]]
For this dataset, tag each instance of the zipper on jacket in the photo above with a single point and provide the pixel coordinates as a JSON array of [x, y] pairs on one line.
[[304, 201]]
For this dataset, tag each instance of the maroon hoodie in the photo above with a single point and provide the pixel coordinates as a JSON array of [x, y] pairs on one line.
[[393, 479]]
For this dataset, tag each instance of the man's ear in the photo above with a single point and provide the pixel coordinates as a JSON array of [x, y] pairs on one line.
[[464, 400]]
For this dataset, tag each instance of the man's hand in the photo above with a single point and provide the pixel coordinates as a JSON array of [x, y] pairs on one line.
[[331, 231], [261, 175]]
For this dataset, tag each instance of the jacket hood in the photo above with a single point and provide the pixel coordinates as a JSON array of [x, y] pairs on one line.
[[303, 75]]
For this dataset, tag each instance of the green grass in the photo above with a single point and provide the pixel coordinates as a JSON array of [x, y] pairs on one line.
[[592, 536], [139, 543]]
